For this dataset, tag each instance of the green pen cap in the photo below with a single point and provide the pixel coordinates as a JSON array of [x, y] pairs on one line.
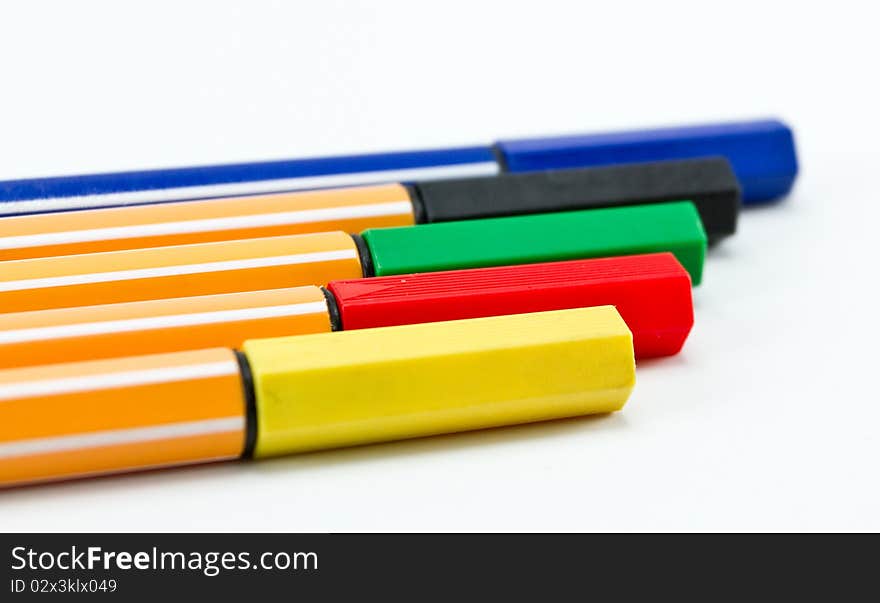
[[674, 227]]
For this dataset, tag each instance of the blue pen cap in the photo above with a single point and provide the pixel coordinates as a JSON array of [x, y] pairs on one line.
[[762, 153]]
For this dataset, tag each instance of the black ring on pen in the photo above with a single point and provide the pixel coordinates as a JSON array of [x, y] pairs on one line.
[[415, 197], [332, 309], [366, 257], [250, 402], [500, 158]]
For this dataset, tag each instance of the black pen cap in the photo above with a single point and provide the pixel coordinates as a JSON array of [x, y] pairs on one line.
[[708, 182]]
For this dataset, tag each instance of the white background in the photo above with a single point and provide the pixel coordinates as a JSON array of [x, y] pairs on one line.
[[768, 420]]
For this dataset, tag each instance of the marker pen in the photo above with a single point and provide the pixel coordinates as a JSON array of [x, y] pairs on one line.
[[651, 292], [316, 259], [762, 154], [709, 183], [310, 392]]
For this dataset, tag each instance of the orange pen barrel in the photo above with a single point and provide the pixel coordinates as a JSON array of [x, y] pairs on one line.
[[177, 271], [90, 231], [158, 326], [105, 416]]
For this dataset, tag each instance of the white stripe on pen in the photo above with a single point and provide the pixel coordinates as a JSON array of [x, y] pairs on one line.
[[484, 168], [101, 381], [128, 325], [138, 273], [119, 437], [305, 216], [139, 468]]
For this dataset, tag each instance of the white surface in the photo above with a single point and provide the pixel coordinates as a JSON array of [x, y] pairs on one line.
[[769, 418]]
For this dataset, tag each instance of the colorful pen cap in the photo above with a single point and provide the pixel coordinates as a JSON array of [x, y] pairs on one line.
[[311, 392], [651, 292], [315, 259], [762, 153], [416, 380], [637, 229], [709, 183]]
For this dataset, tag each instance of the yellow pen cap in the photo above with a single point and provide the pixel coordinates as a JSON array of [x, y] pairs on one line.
[[357, 387]]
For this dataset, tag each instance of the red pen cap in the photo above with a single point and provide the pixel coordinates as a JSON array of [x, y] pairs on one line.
[[652, 293]]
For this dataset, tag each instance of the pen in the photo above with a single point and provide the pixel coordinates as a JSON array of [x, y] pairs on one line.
[[316, 259], [310, 392], [761, 152], [651, 292], [709, 183]]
